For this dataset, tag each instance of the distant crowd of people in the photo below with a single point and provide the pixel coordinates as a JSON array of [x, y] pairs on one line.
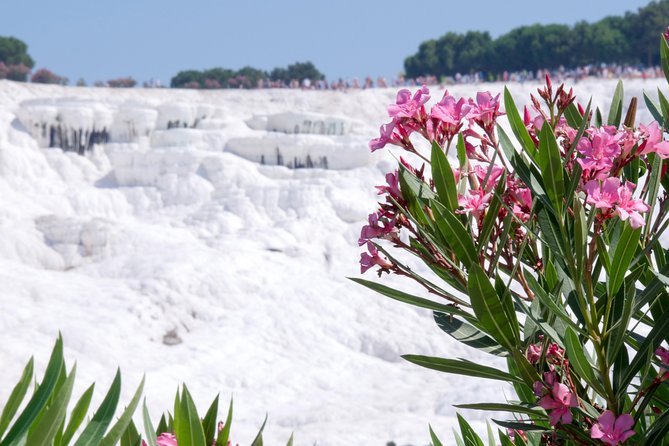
[[602, 71]]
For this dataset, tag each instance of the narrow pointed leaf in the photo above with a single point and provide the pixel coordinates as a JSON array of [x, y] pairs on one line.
[[502, 407], [468, 335], [461, 367], [77, 415], [435, 439], [552, 171], [620, 262], [224, 435], [408, 298], [444, 181], [209, 422], [616, 110], [148, 426], [258, 440], [117, 429], [578, 360], [517, 125], [488, 308], [45, 431], [95, 430], [39, 398], [16, 397], [457, 237]]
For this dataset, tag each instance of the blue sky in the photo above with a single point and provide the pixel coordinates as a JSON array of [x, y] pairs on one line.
[[104, 39]]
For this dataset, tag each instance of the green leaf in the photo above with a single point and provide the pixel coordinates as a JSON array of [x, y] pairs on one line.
[[492, 213], [95, 430], [468, 435], [124, 420], [519, 425], [664, 56], [504, 439], [258, 440], [224, 435], [616, 110], [657, 334], [417, 193], [78, 414], [598, 117], [517, 125], [189, 430], [573, 117], [461, 367], [657, 433], [40, 397], [578, 360], [468, 334], [550, 163], [162, 426], [654, 111], [501, 407], [209, 422], [457, 237], [435, 440], [408, 298], [16, 397], [444, 181], [45, 431], [148, 426], [664, 106], [130, 436], [580, 238], [620, 318], [489, 310], [290, 440], [521, 166], [620, 262], [462, 152]]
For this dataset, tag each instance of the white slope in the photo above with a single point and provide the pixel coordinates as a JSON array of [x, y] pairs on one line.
[[172, 251]]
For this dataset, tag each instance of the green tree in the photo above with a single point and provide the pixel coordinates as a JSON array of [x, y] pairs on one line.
[[15, 52], [185, 77]]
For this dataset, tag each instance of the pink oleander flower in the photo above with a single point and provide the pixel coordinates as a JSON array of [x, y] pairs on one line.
[[166, 439], [611, 429], [663, 354], [522, 202], [450, 112], [386, 136], [666, 34], [377, 228], [533, 353], [603, 195], [485, 110], [475, 202], [598, 153], [610, 195], [559, 399], [407, 107], [554, 352], [481, 172], [393, 187], [368, 261], [513, 432], [629, 208], [653, 140]]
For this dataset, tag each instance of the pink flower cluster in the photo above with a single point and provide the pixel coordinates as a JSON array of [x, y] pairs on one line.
[[604, 151], [444, 121], [555, 397], [554, 353], [614, 198]]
